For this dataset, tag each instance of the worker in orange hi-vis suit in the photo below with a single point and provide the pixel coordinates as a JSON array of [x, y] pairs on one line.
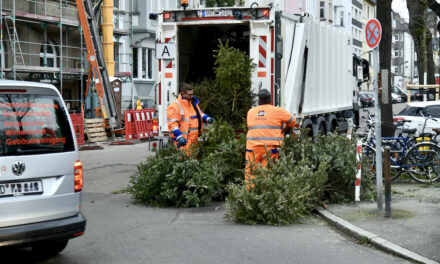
[[265, 124], [185, 118]]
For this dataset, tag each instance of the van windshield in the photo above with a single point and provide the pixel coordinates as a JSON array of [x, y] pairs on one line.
[[33, 124]]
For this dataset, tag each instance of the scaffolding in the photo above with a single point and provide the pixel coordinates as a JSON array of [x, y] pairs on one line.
[[42, 40]]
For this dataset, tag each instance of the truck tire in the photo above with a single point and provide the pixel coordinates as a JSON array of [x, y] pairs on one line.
[[320, 126], [308, 124], [332, 124]]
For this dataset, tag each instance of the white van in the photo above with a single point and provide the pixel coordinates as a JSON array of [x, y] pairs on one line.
[[41, 177]]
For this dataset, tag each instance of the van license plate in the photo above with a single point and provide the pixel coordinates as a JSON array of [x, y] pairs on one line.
[[20, 188]]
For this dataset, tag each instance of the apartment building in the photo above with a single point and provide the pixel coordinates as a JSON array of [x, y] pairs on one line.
[[403, 56], [368, 12]]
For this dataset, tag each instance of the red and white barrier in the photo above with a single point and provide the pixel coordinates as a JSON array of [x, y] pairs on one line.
[[140, 124], [357, 188], [130, 129]]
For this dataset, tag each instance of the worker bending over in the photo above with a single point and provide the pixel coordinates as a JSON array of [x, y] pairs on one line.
[[265, 124], [185, 118]]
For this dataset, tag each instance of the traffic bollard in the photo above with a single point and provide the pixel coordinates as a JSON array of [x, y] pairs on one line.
[[387, 174]]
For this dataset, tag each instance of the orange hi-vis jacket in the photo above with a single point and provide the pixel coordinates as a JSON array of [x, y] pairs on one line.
[[265, 126], [183, 119], [195, 121]]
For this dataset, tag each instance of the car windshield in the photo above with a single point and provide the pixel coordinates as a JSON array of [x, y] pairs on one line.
[[33, 124]]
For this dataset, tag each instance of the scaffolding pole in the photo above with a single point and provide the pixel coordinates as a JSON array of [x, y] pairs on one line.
[[1, 39], [13, 41], [61, 48], [82, 67], [131, 58]]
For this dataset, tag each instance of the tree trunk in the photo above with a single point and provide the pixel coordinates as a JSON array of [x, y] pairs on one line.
[[430, 59], [384, 17], [417, 29]]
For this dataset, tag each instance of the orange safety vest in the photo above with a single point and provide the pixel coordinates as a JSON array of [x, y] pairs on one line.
[[195, 121], [178, 116], [265, 126]]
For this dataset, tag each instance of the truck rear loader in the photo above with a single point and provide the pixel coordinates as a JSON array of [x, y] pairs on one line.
[[308, 66]]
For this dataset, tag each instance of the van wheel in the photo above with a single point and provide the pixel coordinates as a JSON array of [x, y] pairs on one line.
[[50, 247]]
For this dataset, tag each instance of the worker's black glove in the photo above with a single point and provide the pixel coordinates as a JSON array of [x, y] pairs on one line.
[[182, 141]]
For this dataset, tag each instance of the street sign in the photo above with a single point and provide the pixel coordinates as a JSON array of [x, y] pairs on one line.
[[373, 33], [165, 51]]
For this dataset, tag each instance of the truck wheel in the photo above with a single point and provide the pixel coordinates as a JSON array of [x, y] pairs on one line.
[[308, 125], [332, 124], [320, 126]]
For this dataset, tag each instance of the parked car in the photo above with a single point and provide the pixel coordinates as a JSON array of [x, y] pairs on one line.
[[396, 98], [366, 99], [371, 95], [417, 113], [41, 176]]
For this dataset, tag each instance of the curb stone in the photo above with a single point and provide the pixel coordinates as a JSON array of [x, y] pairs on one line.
[[373, 239]]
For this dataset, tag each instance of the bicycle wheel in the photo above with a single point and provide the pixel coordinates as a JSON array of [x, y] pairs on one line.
[[371, 166], [422, 161], [371, 163]]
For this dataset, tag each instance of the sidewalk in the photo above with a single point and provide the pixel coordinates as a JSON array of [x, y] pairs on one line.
[[413, 232]]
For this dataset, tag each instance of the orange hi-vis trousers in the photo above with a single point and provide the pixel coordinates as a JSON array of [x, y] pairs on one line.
[[256, 156], [193, 139]]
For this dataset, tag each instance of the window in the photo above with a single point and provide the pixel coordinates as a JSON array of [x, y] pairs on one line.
[[135, 63], [433, 111], [330, 11], [410, 111], [396, 69], [116, 4], [321, 9], [2, 58], [396, 53], [150, 64], [116, 55], [368, 11], [143, 63], [342, 18], [38, 122], [396, 37], [48, 56]]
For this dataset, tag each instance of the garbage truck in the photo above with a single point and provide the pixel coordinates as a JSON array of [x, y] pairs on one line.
[[308, 66]]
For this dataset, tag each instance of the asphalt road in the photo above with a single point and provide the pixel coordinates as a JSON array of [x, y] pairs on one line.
[[119, 231]]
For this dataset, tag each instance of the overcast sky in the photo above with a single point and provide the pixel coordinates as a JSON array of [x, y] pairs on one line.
[[399, 6]]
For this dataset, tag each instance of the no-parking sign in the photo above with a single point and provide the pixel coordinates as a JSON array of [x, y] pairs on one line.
[[373, 33]]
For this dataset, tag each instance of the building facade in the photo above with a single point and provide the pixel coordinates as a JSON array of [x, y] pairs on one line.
[[348, 15], [368, 12], [42, 41], [403, 56]]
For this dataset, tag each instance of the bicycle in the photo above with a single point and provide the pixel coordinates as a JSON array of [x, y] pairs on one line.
[[420, 160]]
